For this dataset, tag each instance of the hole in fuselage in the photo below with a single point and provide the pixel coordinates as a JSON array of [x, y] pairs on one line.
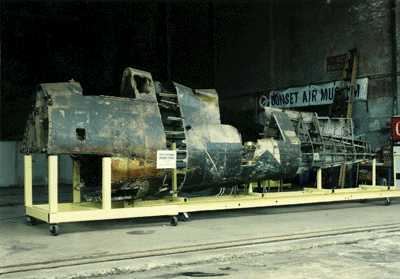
[[142, 84], [80, 134]]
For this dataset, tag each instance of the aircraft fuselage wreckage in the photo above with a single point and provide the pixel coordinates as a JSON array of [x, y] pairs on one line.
[[151, 116]]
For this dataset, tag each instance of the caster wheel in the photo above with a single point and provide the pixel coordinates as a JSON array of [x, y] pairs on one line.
[[387, 201], [174, 221], [30, 220], [184, 217], [54, 229]]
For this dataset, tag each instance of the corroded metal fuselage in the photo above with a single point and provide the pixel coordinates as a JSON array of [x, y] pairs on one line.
[[151, 116]]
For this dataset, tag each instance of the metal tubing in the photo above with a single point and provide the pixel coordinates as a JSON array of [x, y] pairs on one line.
[[28, 180], [106, 183], [53, 183]]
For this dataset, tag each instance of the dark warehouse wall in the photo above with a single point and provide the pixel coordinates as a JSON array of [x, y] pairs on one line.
[[309, 32], [92, 42], [238, 47], [336, 28]]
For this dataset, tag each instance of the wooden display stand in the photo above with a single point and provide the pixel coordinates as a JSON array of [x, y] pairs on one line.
[[55, 213]]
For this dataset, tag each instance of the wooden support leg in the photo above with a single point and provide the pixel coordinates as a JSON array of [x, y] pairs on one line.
[[250, 188], [174, 184], [319, 179], [53, 183], [106, 183], [374, 172], [28, 180], [76, 181]]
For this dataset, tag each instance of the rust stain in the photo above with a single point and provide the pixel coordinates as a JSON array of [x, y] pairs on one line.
[[126, 169]]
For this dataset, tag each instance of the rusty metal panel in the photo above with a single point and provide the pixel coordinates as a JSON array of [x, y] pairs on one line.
[[210, 154], [138, 84], [126, 168], [60, 88], [137, 175], [104, 126], [199, 106], [214, 154], [272, 159]]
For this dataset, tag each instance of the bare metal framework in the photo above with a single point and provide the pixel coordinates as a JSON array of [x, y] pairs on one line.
[[328, 142]]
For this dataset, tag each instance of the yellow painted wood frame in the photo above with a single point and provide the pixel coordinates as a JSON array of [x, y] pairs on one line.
[[55, 212]]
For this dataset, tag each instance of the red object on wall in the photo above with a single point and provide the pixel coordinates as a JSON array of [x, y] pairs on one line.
[[396, 128]]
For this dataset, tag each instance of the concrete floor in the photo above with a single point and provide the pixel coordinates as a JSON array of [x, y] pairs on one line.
[[377, 257], [131, 248]]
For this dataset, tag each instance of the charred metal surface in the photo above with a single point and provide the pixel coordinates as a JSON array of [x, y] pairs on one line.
[[199, 106], [276, 155], [98, 125], [214, 150], [152, 116], [140, 176], [65, 122], [138, 84], [214, 154], [37, 128]]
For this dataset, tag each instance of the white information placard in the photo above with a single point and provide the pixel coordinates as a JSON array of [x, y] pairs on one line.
[[166, 159]]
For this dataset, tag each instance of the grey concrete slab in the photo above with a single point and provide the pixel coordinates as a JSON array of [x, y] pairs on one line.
[[364, 259], [22, 245]]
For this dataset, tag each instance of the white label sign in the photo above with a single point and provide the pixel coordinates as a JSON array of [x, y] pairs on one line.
[[166, 159], [312, 95]]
